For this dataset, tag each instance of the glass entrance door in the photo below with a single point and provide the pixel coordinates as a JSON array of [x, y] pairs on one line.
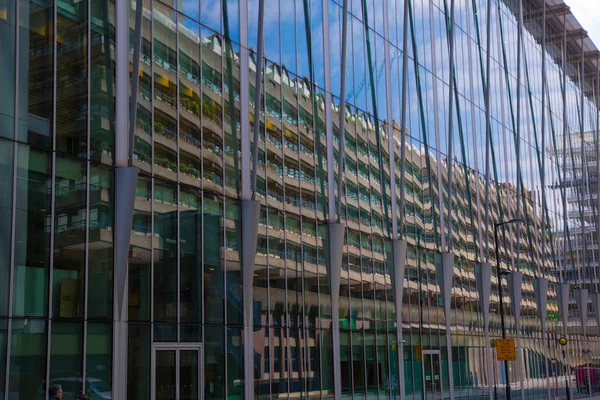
[[176, 372], [432, 375]]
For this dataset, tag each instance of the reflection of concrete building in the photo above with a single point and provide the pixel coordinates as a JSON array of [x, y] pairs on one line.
[[185, 296], [579, 252]]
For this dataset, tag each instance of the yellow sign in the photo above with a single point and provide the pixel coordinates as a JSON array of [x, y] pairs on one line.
[[562, 341], [505, 349]]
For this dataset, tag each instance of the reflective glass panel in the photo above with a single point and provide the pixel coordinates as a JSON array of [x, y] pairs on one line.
[[7, 66], [6, 194], [3, 342], [214, 367], [102, 88], [165, 369], [32, 233], [27, 359], [36, 63], [165, 253], [69, 239], [190, 233], [71, 77], [138, 362], [188, 375], [98, 360], [140, 260], [66, 357], [100, 244]]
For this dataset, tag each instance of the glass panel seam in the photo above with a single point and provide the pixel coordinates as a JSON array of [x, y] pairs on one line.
[[86, 263], [152, 177], [178, 190]]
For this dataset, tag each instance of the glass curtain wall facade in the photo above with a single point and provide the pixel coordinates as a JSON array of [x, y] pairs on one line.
[[440, 181]]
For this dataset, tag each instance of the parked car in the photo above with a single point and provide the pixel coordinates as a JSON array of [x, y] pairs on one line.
[[585, 374], [96, 388]]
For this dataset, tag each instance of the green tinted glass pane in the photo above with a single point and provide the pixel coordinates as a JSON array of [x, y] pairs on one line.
[[71, 77], [6, 192], [27, 359], [69, 239], [7, 66], [138, 362], [165, 253], [32, 233], [165, 93], [99, 360], [100, 260], [189, 375], [165, 333], [190, 136], [235, 363], [214, 367], [234, 288], [101, 83], [190, 231], [3, 338], [36, 55], [214, 293], [66, 357], [165, 385], [140, 254], [190, 333]]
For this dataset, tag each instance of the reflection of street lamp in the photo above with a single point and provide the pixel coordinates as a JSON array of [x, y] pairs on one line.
[[499, 274], [563, 342]]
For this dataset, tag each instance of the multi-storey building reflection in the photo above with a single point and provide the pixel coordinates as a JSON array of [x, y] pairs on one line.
[[185, 273]]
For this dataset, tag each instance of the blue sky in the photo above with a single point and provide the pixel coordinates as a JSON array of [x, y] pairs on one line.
[[587, 13]]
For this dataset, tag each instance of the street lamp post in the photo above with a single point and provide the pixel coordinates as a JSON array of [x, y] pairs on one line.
[[499, 274], [563, 342]]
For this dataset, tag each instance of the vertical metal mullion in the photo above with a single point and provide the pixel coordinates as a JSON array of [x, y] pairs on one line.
[[52, 193], [488, 128], [342, 106], [152, 371], [244, 100], [450, 135], [87, 192], [478, 252], [436, 124], [177, 372], [331, 212], [403, 132], [13, 205], [564, 159], [596, 112], [86, 268], [520, 187], [178, 188], [152, 178], [11, 266], [203, 312], [543, 123]]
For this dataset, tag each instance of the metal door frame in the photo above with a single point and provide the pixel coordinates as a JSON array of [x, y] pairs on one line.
[[432, 353], [177, 347]]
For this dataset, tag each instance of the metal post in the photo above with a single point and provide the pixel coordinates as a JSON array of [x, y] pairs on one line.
[[403, 111], [257, 93], [450, 126], [122, 80], [135, 78], [342, 134], [566, 373], [244, 62], [501, 295]]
